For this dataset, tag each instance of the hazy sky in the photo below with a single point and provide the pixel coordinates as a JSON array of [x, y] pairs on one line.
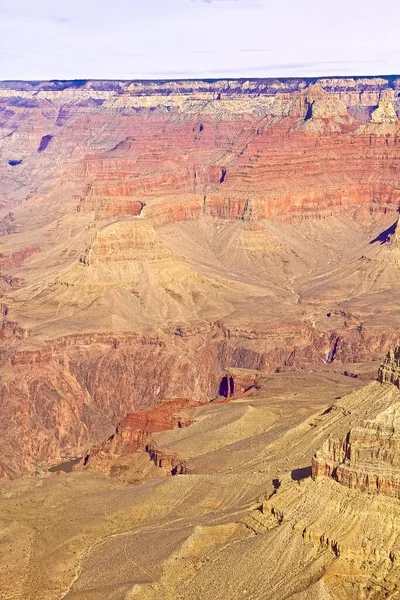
[[127, 39]]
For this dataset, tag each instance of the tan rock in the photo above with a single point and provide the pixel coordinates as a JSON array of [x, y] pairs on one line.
[[368, 458], [385, 113]]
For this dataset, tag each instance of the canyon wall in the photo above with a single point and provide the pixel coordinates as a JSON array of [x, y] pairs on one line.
[[154, 234]]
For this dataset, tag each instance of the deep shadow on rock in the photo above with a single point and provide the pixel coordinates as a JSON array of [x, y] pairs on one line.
[[299, 474]]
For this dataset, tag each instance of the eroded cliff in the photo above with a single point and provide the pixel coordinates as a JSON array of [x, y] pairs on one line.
[[156, 233]]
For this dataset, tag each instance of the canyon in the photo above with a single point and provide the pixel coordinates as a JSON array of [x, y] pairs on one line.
[[199, 311], [251, 224]]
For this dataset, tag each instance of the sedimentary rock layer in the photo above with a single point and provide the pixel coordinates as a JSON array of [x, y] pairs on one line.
[[134, 432], [198, 225], [389, 372], [368, 458]]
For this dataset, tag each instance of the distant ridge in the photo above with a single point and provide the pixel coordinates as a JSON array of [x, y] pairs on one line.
[[262, 85]]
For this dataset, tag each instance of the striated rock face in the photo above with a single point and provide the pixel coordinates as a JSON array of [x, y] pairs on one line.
[[368, 458], [389, 372], [134, 432], [154, 234], [126, 241]]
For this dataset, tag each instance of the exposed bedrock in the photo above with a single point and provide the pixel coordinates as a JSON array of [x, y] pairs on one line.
[[236, 381], [389, 372], [277, 173], [368, 458], [313, 147], [167, 460], [63, 399], [69, 396], [167, 231], [134, 432]]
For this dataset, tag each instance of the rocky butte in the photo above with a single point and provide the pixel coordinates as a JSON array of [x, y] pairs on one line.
[[368, 458], [155, 235]]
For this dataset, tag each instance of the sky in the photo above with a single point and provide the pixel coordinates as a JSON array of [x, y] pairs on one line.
[[170, 39]]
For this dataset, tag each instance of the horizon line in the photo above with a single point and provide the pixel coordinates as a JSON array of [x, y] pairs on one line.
[[84, 80]]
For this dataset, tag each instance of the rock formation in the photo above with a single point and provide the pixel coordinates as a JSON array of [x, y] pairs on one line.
[[235, 382], [389, 372], [368, 458], [154, 234], [385, 113], [134, 432]]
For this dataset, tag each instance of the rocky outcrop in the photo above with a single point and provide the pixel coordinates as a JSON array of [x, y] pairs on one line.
[[368, 458], [235, 382], [126, 241], [389, 372], [134, 433], [167, 460], [385, 113]]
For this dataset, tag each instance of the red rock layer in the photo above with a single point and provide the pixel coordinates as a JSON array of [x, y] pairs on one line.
[[134, 433], [247, 166], [283, 172], [134, 430]]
